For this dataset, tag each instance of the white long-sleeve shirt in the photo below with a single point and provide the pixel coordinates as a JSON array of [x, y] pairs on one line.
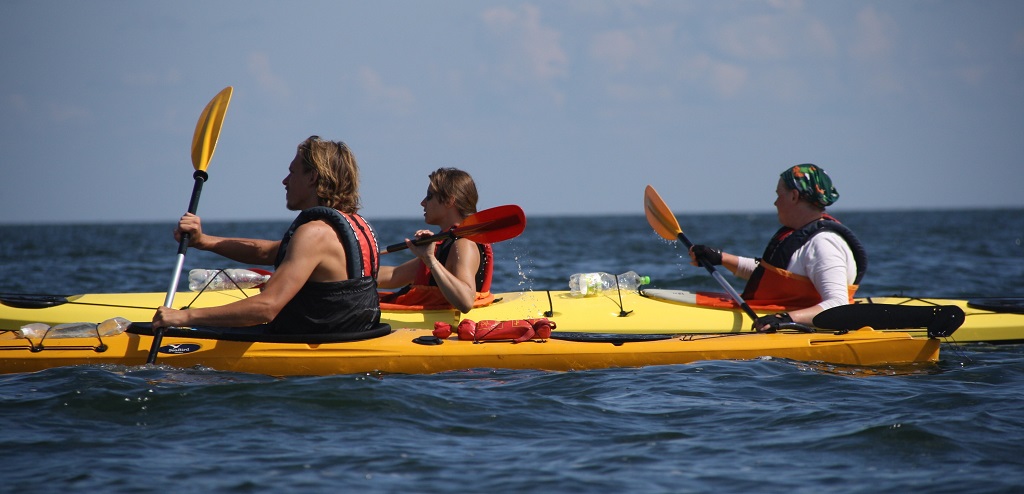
[[826, 260]]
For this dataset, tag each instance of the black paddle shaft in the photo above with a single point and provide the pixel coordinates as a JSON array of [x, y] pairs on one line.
[[193, 205], [468, 231], [200, 177], [419, 241], [718, 277]]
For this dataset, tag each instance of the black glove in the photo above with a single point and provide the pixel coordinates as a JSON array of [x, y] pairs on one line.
[[709, 254], [773, 321]]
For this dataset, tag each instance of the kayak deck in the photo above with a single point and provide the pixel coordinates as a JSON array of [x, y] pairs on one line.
[[659, 312]]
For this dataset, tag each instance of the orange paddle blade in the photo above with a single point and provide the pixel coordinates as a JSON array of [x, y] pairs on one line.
[[660, 216]]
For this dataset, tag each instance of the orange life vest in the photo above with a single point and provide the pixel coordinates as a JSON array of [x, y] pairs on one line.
[[424, 294], [775, 288]]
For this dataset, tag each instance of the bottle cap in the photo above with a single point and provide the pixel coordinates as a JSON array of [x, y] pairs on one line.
[[645, 280]]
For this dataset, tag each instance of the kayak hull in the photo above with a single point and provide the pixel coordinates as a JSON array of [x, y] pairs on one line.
[[660, 312], [398, 352]]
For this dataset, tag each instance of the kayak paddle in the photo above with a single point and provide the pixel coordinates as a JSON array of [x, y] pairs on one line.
[[204, 142], [486, 227], [664, 222]]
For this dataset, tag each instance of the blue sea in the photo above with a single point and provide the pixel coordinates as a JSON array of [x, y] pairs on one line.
[[721, 426]]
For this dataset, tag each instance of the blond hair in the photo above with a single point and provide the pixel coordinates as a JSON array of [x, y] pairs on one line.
[[337, 173]]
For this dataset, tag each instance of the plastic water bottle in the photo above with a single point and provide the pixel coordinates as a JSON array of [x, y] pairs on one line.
[[224, 279], [584, 284], [110, 327]]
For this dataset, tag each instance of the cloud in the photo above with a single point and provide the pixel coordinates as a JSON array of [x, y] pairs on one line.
[[753, 38], [775, 37], [170, 77], [396, 99], [18, 102], [819, 36], [65, 113], [51, 112], [723, 78], [634, 49], [973, 75], [778, 55], [615, 48], [532, 52], [632, 93], [787, 4], [259, 67], [872, 47], [873, 33], [727, 79]]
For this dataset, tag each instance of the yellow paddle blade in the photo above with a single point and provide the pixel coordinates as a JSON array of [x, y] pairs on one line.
[[660, 216], [208, 129]]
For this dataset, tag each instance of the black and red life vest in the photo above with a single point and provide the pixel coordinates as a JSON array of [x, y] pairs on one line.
[[773, 287], [345, 306]]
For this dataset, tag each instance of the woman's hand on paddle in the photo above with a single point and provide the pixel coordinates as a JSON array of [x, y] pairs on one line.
[[771, 322], [711, 255], [424, 252]]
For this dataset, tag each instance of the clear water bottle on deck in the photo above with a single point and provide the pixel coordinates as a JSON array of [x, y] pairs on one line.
[[110, 327], [224, 279], [584, 284]]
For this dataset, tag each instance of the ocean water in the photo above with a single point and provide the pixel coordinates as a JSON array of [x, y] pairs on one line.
[[723, 426]]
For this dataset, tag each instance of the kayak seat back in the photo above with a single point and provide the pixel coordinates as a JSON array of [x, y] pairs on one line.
[[29, 301], [940, 320]]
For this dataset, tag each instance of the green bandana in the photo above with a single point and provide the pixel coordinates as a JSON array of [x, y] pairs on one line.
[[813, 184]]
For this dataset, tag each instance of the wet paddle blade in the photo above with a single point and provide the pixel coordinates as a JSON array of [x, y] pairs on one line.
[[204, 141], [660, 216], [664, 222]]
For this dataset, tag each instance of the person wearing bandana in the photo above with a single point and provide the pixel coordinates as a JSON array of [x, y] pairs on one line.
[[811, 264]]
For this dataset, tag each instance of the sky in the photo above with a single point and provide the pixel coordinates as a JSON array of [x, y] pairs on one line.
[[562, 107]]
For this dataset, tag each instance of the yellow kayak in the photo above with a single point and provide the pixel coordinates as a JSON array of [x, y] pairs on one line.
[[652, 312], [416, 351]]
